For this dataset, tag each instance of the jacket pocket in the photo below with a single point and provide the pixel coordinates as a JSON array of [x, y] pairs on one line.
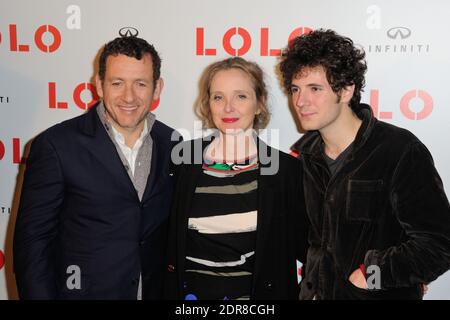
[[355, 293], [362, 200]]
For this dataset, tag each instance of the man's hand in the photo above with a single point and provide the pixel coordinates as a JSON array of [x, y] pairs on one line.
[[358, 280]]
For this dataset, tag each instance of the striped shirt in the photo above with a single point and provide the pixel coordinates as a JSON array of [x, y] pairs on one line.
[[221, 236]]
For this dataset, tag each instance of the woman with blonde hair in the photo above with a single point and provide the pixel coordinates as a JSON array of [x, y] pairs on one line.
[[238, 226]]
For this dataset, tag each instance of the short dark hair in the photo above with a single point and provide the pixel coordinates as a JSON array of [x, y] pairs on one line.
[[343, 63], [133, 47]]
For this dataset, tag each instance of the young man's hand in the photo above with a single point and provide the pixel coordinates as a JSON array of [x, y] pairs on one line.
[[358, 280]]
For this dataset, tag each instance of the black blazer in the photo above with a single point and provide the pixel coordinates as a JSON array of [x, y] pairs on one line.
[[79, 209], [281, 226]]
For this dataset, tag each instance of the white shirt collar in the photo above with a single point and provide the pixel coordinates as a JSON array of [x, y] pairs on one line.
[[121, 139]]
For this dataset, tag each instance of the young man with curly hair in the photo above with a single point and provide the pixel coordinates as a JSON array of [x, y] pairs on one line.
[[380, 219]]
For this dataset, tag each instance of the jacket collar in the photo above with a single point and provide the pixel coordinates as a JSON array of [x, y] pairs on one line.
[[310, 143], [105, 151], [88, 123]]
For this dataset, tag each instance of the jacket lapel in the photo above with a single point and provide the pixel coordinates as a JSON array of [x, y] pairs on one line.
[[157, 164], [189, 176], [102, 148], [266, 201]]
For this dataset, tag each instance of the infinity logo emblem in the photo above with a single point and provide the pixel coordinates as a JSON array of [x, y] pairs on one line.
[[401, 32], [128, 32]]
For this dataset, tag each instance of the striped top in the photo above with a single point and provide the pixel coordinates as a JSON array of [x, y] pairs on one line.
[[221, 236]]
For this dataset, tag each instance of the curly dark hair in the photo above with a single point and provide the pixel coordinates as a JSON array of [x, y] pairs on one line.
[[343, 63], [133, 47]]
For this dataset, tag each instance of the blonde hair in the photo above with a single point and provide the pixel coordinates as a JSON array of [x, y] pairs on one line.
[[202, 108]]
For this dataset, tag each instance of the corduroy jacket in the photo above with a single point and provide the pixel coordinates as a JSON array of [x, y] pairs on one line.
[[385, 208]]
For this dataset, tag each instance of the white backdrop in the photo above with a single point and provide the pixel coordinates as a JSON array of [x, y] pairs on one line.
[[48, 50]]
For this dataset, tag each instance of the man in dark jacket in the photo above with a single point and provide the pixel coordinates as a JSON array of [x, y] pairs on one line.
[[380, 219], [92, 221]]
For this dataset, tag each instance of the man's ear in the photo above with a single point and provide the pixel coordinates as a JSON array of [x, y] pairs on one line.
[[347, 93], [98, 86], [159, 85]]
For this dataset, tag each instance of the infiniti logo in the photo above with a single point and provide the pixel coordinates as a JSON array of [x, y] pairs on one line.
[[401, 32], [401, 46], [128, 32]]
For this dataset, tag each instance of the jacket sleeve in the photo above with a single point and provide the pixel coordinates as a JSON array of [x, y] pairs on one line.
[[422, 209], [36, 227]]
